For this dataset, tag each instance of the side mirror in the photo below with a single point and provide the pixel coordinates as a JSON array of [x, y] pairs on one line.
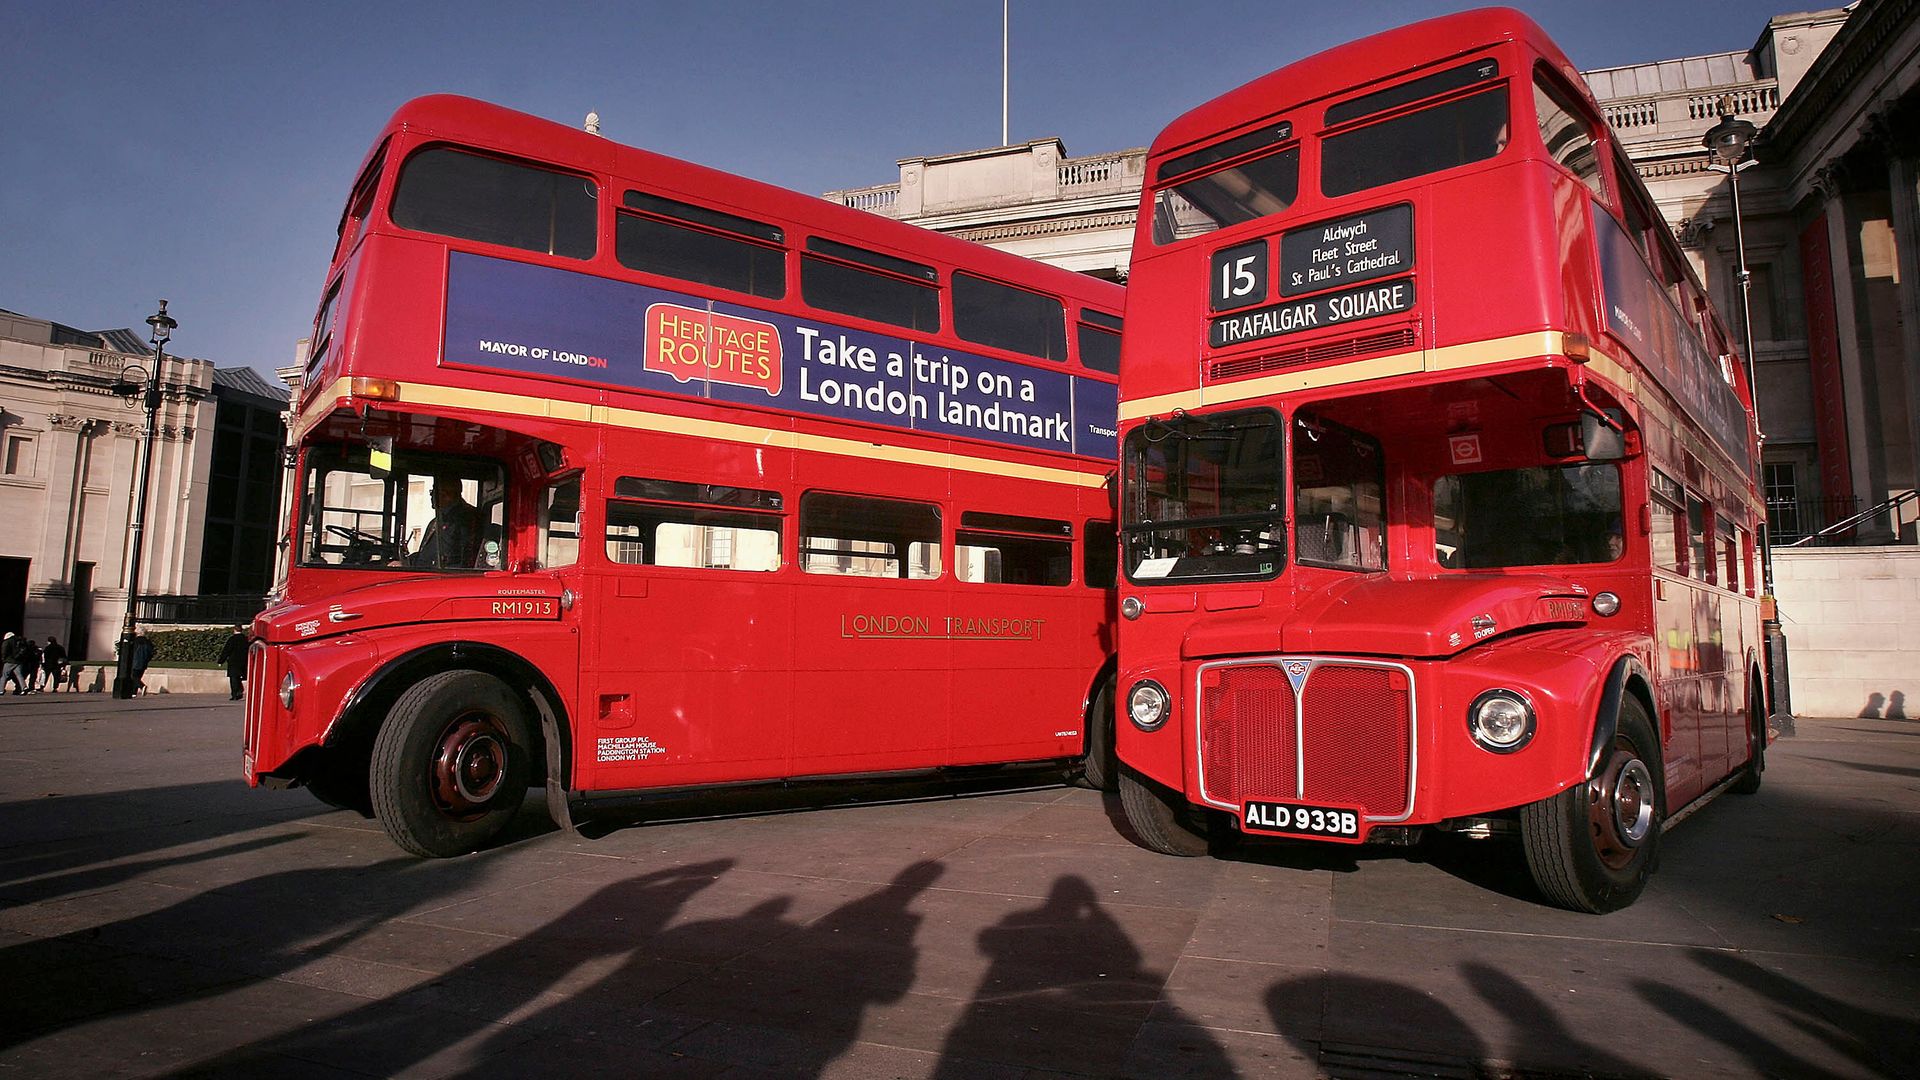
[[1603, 437]]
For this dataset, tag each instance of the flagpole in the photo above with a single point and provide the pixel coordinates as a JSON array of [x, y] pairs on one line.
[[1003, 71]]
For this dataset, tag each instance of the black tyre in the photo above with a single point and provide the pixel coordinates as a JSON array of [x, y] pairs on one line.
[[1161, 818], [1748, 780], [1101, 769], [450, 766], [1591, 847]]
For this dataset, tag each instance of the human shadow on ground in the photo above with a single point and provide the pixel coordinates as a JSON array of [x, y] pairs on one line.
[[214, 941], [1067, 989], [1882, 1042], [52, 834], [392, 1034]]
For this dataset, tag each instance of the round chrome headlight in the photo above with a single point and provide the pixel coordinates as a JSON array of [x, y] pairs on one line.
[[1131, 607], [1501, 721], [1147, 705], [287, 686], [1605, 604]]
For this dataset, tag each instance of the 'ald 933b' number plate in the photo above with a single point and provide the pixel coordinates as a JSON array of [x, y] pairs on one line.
[[1318, 822]]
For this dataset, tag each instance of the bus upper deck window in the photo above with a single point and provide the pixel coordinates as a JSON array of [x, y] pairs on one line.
[[455, 193], [1252, 189], [1467, 129]]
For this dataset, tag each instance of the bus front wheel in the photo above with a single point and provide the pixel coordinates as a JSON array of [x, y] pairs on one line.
[[450, 765], [1591, 847], [1159, 817]]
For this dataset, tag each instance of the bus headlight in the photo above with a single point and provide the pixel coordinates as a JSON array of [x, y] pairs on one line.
[[1605, 604], [1147, 705], [287, 686], [1501, 721]]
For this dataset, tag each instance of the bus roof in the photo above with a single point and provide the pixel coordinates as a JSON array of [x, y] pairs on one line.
[[1383, 55], [469, 121]]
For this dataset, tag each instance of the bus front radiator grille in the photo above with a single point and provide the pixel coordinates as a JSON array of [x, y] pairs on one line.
[[1247, 733], [1359, 738], [1344, 739], [256, 690]]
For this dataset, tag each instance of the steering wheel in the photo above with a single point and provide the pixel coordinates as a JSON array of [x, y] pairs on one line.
[[362, 547], [355, 536]]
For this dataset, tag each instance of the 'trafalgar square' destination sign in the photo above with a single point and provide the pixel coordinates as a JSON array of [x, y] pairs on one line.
[[1312, 313]]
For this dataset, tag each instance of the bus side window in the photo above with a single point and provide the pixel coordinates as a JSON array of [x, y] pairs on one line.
[[1730, 558], [910, 300], [1100, 555], [560, 524], [1699, 524], [1665, 539], [1019, 550], [865, 537], [1099, 341], [1567, 134]]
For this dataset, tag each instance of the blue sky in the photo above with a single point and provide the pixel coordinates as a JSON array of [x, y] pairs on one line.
[[201, 151]]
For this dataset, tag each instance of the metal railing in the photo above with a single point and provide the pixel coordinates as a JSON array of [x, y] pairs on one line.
[[1848, 529], [201, 610]]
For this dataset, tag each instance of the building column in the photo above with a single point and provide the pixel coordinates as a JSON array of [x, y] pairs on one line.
[[1894, 131], [1862, 427], [53, 562]]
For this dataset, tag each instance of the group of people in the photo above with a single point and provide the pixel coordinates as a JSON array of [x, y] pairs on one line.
[[27, 667]]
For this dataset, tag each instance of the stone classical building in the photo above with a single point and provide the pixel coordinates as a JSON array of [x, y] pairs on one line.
[[69, 449], [1832, 221]]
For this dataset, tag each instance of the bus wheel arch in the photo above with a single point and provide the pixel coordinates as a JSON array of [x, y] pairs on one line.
[[350, 741], [1100, 765]]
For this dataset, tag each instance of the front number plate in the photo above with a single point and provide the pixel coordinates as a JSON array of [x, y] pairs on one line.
[[1319, 822]]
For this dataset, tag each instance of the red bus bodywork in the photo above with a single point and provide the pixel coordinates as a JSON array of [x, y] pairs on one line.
[[542, 371], [1478, 314]]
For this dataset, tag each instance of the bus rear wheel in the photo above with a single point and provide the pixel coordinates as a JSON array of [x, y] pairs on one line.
[[1161, 818], [1748, 780], [1100, 768], [450, 765], [1591, 847]]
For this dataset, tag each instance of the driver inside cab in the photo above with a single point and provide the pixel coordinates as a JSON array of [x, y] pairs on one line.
[[452, 539]]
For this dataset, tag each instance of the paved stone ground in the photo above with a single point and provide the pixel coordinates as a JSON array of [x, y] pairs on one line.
[[158, 918]]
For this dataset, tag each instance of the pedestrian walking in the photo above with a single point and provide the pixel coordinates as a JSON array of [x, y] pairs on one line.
[[142, 656], [53, 664], [10, 664], [234, 655], [29, 665]]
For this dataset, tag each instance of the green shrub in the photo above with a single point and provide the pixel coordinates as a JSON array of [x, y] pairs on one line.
[[189, 646]]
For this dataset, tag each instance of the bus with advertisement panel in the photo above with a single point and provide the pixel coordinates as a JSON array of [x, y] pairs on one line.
[[1437, 496], [622, 475]]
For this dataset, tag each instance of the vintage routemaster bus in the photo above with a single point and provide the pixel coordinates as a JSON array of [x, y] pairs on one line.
[[618, 474], [1437, 497]]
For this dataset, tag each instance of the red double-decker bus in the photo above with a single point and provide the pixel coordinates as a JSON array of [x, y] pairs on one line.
[[1437, 498], [618, 474]]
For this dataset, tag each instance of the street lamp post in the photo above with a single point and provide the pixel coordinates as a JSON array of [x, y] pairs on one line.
[[1729, 142], [125, 684]]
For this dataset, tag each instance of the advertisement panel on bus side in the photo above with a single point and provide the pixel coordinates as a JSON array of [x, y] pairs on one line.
[[537, 320]]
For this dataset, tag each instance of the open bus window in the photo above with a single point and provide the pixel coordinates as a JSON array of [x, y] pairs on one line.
[[1339, 502], [862, 537], [1252, 189], [1567, 134], [703, 536], [1544, 516], [560, 524], [1456, 132], [1018, 550], [427, 512], [1203, 497]]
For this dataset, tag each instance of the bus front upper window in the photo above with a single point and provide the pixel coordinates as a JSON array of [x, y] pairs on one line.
[[1253, 189]]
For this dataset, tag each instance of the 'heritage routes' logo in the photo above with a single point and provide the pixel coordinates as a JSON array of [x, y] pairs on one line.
[[690, 344]]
